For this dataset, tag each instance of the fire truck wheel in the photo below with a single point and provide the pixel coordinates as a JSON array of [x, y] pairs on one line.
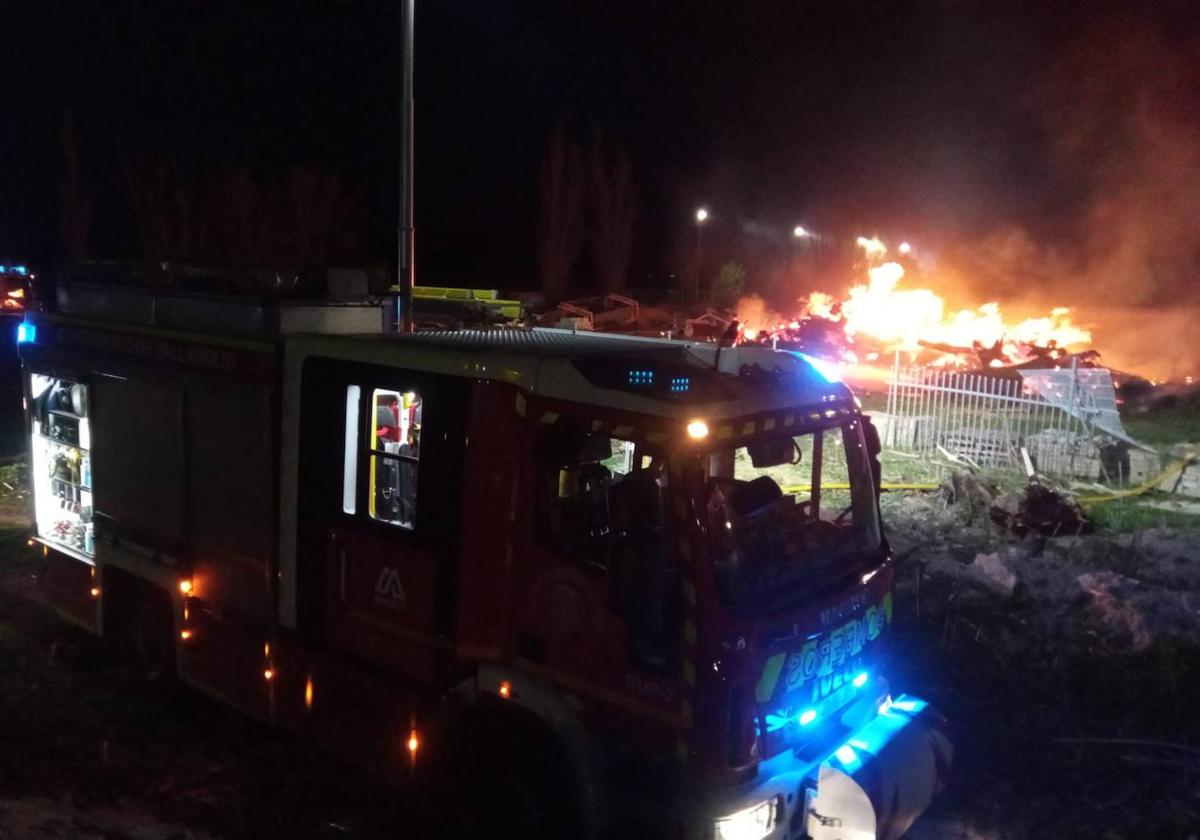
[[139, 625], [508, 778]]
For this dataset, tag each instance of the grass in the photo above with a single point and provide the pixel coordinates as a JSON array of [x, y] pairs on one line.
[[1124, 516], [1169, 422]]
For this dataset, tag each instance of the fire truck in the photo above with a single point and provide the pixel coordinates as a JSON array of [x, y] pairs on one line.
[[595, 581]]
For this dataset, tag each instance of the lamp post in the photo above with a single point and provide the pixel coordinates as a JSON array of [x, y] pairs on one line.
[[701, 217], [405, 266]]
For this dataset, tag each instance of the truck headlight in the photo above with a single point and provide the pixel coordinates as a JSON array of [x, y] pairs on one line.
[[753, 823]]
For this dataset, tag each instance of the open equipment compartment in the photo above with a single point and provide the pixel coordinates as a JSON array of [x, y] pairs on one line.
[[61, 463]]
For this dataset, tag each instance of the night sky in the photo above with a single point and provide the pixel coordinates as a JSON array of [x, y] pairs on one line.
[[948, 123]]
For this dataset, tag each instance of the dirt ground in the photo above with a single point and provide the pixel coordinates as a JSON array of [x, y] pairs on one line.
[[89, 749], [1066, 726], [1053, 740]]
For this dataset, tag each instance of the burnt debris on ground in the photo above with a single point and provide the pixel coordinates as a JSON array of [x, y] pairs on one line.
[[1068, 662]]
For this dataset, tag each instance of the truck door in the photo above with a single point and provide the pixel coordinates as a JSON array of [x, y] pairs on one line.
[[381, 540]]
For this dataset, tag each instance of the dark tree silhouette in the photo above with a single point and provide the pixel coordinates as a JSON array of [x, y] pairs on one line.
[[74, 196], [560, 226], [327, 219], [161, 195], [614, 208]]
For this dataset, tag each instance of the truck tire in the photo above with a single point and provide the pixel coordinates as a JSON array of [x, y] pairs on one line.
[[139, 625], [507, 777]]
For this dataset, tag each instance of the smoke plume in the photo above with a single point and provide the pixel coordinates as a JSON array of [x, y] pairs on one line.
[[1121, 238]]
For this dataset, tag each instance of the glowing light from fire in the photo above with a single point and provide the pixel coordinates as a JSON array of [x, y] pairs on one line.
[[881, 316], [872, 247], [905, 248], [909, 319]]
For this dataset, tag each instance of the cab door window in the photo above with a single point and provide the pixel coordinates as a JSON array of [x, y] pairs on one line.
[[394, 438], [602, 502]]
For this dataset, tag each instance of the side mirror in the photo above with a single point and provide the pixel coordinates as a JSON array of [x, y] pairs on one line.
[[874, 450], [773, 452]]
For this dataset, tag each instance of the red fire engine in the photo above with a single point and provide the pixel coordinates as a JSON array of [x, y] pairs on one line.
[[607, 577]]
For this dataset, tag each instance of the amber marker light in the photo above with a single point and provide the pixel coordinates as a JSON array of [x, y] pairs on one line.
[[185, 634], [413, 743], [697, 430], [505, 689], [268, 674], [185, 586]]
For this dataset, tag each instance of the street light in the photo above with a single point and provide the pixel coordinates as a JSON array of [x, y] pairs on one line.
[[905, 248], [799, 232], [701, 216]]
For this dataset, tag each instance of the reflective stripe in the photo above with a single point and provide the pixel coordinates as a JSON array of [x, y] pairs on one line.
[[770, 677]]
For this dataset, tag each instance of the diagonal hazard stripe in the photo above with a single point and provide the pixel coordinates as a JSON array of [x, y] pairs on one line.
[[769, 678]]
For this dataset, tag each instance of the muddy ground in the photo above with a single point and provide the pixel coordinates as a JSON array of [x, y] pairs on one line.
[[1063, 730]]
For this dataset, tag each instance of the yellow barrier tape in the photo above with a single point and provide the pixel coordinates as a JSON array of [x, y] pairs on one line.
[[1145, 487], [887, 485]]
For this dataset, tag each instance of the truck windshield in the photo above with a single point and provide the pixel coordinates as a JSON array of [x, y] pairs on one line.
[[791, 516]]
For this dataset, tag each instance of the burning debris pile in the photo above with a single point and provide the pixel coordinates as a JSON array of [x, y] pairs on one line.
[[879, 318]]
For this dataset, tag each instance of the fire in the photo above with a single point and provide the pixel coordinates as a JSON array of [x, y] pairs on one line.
[[880, 317], [872, 247], [912, 319]]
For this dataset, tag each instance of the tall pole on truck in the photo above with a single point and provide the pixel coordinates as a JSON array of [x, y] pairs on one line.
[[406, 278]]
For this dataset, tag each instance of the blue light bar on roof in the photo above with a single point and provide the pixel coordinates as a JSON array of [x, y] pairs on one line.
[[641, 377], [828, 370], [26, 333], [19, 269]]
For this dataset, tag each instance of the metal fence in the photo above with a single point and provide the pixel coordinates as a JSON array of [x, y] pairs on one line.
[[987, 421]]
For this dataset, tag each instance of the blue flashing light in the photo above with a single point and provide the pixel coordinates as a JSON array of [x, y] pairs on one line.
[[681, 384], [26, 333], [3, 269], [808, 716], [861, 680], [641, 377], [19, 269], [846, 754], [828, 370]]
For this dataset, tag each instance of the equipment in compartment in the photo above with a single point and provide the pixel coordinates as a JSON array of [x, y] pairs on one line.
[[61, 462]]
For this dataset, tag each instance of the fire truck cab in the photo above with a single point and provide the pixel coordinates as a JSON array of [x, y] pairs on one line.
[[646, 577]]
